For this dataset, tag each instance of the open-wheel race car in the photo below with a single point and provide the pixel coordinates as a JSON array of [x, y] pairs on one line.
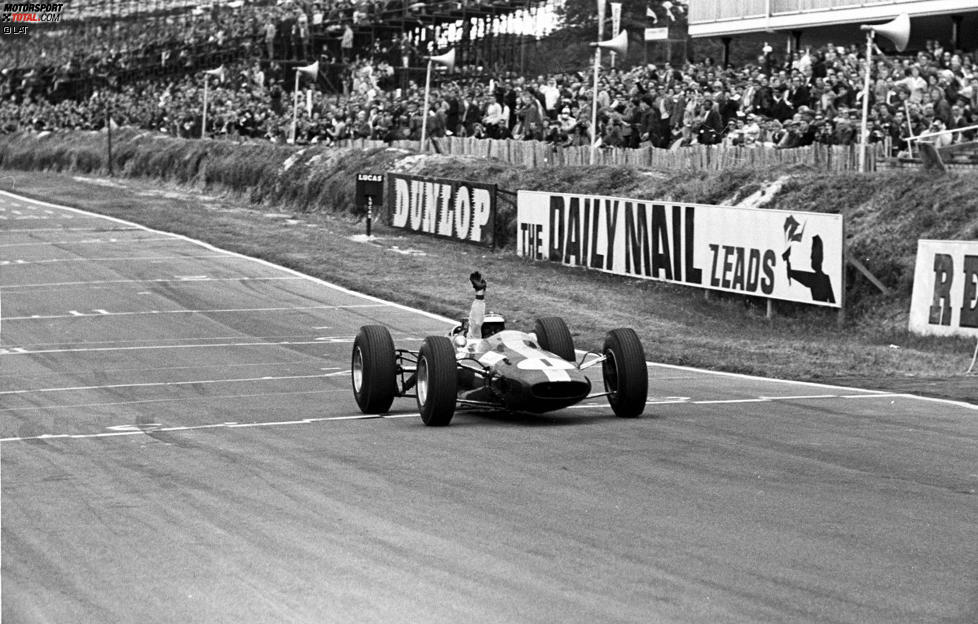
[[510, 370]]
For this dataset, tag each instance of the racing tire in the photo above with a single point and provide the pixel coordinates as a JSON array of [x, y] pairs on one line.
[[553, 336], [437, 381], [626, 376], [373, 369]]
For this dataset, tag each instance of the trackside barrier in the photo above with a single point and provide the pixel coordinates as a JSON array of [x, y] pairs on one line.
[[945, 289], [536, 154], [838, 158], [456, 209], [777, 254]]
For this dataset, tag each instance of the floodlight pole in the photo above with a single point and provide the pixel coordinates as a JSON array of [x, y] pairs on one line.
[[864, 129]]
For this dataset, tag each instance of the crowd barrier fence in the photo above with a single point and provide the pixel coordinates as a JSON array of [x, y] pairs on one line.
[[832, 158]]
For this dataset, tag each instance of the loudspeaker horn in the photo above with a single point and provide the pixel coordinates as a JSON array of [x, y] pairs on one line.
[[310, 70], [618, 45], [896, 30], [219, 72], [447, 59]]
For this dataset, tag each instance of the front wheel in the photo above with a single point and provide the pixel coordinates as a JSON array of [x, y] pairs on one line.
[[437, 381], [626, 376], [553, 336], [374, 369]]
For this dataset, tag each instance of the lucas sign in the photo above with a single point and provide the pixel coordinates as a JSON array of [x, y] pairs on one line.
[[449, 208], [945, 289], [793, 256]]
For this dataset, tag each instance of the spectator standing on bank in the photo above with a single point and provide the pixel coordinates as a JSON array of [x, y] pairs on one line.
[[269, 31], [346, 43], [302, 25]]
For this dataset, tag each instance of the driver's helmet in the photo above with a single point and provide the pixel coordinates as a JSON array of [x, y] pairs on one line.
[[492, 324]]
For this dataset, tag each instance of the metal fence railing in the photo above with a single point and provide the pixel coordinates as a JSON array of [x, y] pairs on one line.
[[838, 158]]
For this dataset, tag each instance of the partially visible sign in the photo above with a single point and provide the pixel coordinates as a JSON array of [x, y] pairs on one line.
[[945, 289], [449, 208], [793, 256], [656, 34]]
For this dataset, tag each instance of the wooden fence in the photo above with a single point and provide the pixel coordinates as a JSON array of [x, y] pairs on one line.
[[835, 158]]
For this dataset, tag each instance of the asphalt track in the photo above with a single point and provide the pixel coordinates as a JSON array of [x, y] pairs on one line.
[[179, 443]]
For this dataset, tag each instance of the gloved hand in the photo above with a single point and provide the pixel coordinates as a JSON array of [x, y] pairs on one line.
[[478, 283]]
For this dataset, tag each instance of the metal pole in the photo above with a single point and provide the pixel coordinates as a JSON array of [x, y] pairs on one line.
[[594, 92], [370, 212], [864, 133], [203, 123], [108, 130], [295, 107], [906, 112], [594, 106], [424, 112]]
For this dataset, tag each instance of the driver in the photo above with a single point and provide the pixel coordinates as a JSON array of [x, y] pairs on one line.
[[480, 324]]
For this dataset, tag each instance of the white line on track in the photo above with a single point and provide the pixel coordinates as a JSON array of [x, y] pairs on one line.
[[73, 229], [799, 397], [148, 429], [102, 313], [178, 280], [111, 259], [102, 405], [888, 395], [158, 384], [8, 351], [88, 241]]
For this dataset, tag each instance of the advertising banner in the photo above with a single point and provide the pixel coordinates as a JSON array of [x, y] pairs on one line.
[[792, 256], [464, 211], [945, 289], [369, 189]]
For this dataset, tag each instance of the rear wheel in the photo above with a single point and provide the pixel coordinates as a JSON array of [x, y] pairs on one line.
[[553, 336], [437, 381], [374, 369], [626, 377]]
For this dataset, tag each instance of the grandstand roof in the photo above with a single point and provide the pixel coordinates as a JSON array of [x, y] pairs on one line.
[[396, 13], [722, 18]]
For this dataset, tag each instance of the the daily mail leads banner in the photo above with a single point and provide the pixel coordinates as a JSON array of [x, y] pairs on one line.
[[945, 289], [793, 256], [450, 208]]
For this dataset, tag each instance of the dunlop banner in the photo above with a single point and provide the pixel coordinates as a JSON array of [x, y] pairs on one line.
[[449, 208], [793, 256], [945, 289]]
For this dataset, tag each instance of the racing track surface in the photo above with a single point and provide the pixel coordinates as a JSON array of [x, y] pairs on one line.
[[179, 444]]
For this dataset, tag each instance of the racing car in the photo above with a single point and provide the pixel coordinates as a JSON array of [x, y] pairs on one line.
[[509, 370]]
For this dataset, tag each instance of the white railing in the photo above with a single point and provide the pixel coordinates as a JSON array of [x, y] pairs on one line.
[[927, 136]]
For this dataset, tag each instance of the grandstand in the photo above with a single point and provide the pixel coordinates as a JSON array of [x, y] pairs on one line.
[[124, 40], [146, 68]]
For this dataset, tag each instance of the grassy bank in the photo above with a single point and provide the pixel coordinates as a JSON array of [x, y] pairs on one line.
[[224, 194]]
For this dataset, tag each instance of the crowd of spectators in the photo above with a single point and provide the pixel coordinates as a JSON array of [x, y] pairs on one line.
[[167, 38], [812, 96]]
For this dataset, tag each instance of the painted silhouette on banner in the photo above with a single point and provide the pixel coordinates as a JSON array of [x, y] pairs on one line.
[[815, 280]]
